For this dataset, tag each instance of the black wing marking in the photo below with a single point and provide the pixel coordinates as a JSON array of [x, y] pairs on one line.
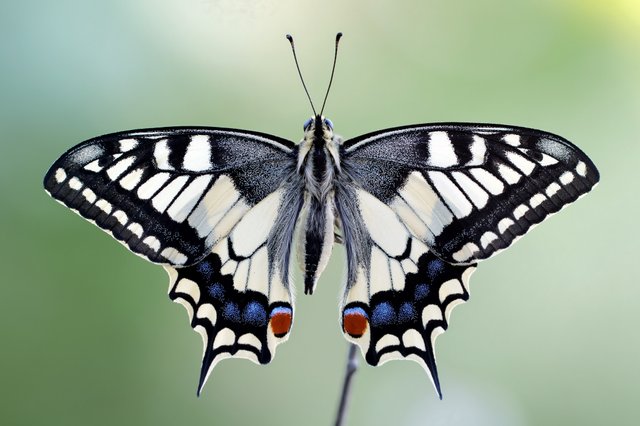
[[399, 294], [238, 297], [170, 194], [469, 190]]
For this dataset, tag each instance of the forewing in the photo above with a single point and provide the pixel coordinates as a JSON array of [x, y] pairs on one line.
[[170, 194], [398, 295], [468, 190], [238, 297]]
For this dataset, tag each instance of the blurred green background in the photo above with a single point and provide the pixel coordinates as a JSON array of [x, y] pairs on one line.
[[88, 335]]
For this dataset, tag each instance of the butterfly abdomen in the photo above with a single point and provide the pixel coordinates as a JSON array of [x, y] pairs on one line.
[[315, 239]]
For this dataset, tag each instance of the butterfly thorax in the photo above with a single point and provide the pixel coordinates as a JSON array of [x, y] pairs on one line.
[[318, 165], [318, 157]]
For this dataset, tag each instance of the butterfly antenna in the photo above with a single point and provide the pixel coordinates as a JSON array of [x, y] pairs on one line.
[[333, 69], [295, 58]]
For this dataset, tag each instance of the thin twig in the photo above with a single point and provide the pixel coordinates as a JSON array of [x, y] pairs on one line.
[[352, 366]]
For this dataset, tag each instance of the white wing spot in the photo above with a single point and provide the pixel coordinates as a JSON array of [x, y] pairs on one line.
[[209, 312], [120, 167], [128, 144], [487, 238], [152, 185], [448, 288], [520, 211], [136, 229], [89, 195], [566, 178], [216, 203], [552, 189], [408, 266], [478, 151], [508, 174], [60, 175], [161, 155], [74, 183], [466, 252], [477, 195], [441, 151], [581, 168], [513, 140], [121, 217], [454, 198], [104, 205], [489, 181], [521, 163], [250, 339], [186, 201], [174, 256], [198, 155], [162, 200], [131, 180], [93, 166], [412, 338], [422, 201], [504, 224], [536, 200], [387, 340], [547, 160], [226, 337], [152, 242], [431, 313], [187, 286]]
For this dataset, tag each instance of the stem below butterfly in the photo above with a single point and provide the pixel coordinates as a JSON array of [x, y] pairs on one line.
[[352, 366]]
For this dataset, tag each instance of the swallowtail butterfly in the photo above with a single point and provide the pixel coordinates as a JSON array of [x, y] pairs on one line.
[[416, 207]]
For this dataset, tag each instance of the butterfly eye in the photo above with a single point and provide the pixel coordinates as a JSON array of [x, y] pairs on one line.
[[307, 124], [328, 123]]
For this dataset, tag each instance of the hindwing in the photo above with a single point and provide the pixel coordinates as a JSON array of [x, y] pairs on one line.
[[238, 297], [399, 294]]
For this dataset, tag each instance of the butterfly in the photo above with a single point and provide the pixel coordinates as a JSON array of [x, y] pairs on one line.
[[225, 210]]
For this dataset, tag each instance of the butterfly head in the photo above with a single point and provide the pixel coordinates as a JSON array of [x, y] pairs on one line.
[[318, 127], [319, 136]]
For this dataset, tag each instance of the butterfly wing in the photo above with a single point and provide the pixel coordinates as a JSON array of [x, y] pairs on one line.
[[238, 297], [420, 205], [170, 194], [399, 295], [217, 207], [468, 190]]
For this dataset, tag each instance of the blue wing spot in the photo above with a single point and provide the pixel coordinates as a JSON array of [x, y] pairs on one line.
[[355, 311], [231, 312], [406, 312], [434, 268], [383, 314], [217, 291], [254, 314], [205, 269], [421, 291]]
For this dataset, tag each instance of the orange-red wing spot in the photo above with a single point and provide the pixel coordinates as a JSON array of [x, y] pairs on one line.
[[280, 321], [355, 321]]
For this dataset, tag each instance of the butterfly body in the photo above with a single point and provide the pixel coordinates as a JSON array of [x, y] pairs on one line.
[[319, 167], [416, 208]]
